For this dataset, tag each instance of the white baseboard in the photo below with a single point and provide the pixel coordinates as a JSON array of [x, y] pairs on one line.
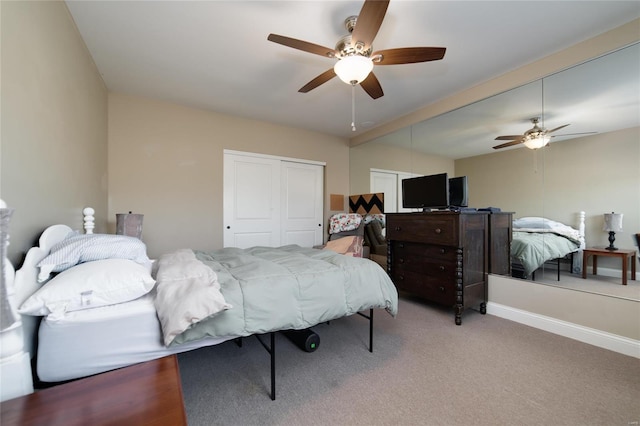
[[583, 334]]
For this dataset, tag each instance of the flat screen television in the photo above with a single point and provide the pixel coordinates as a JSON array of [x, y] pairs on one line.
[[459, 191], [426, 192]]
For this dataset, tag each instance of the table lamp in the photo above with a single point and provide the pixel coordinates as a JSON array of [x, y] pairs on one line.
[[612, 224]]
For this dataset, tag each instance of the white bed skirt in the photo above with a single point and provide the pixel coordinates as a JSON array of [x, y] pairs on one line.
[[102, 339]]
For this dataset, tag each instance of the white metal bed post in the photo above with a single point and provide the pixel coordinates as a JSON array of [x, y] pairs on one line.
[[89, 220]]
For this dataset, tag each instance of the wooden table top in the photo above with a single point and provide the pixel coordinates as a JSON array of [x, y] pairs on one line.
[[604, 251], [149, 393]]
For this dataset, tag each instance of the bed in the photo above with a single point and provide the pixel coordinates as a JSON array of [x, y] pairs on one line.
[[537, 240], [196, 299]]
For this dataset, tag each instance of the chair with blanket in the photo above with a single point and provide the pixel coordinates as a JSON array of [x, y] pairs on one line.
[[375, 240], [346, 234]]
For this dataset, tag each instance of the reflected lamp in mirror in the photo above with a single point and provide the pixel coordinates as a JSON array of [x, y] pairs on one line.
[[612, 224]]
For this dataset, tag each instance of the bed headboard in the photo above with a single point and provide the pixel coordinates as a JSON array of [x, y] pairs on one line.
[[581, 216], [26, 278]]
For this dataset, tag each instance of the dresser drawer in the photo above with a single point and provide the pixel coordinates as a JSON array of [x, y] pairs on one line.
[[431, 271], [440, 229], [403, 249], [428, 287]]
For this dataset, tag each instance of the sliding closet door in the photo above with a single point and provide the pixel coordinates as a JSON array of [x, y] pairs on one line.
[[269, 201], [251, 201], [302, 194]]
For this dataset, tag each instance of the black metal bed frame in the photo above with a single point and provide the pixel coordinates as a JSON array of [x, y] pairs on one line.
[[517, 266], [271, 348]]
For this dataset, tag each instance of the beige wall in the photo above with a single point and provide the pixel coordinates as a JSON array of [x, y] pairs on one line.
[[166, 162], [595, 174], [54, 123], [399, 159]]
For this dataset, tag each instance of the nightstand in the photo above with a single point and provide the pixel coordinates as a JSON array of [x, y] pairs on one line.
[[623, 254]]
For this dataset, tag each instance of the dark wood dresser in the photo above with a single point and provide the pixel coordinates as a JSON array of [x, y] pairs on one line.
[[441, 257], [500, 236]]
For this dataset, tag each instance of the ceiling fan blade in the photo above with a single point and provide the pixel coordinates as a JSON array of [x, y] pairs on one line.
[[369, 21], [573, 134], [504, 145], [305, 46], [371, 85], [558, 128], [408, 55], [321, 79], [509, 138]]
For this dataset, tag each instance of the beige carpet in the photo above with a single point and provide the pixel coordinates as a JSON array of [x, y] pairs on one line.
[[424, 370]]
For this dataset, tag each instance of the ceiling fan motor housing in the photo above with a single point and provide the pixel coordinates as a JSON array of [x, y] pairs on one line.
[[345, 47], [535, 131]]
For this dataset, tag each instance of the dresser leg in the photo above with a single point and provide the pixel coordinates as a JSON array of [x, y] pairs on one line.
[[483, 308], [458, 311]]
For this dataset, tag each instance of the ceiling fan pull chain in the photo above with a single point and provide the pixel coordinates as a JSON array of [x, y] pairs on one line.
[[353, 107]]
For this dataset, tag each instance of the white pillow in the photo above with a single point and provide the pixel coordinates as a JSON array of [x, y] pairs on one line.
[[78, 248], [535, 223], [89, 285]]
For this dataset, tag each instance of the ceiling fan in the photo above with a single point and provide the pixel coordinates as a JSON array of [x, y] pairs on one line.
[[355, 54], [534, 138]]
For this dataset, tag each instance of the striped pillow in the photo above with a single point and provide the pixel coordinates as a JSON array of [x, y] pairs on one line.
[[79, 248]]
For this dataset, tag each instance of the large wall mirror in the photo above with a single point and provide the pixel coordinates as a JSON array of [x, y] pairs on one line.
[[591, 165]]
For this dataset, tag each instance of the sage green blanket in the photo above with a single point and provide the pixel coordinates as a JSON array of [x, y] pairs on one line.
[[533, 249], [289, 287]]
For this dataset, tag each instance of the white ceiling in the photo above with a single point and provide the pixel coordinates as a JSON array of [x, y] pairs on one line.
[[215, 54]]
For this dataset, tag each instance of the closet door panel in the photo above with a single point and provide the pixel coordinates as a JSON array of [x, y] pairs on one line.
[[302, 208], [251, 201]]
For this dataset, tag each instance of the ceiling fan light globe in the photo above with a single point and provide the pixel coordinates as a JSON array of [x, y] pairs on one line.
[[353, 68], [537, 141]]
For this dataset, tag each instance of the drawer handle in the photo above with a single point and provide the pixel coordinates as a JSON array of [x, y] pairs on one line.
[[438, 230], [401, 260], [442, 268], [401, 245], [401, 277], [398, 228], [441, 289], [442, 251]]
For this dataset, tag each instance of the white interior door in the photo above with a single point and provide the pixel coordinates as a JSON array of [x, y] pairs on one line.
[[388, 183], [302, 209], [251, 201]]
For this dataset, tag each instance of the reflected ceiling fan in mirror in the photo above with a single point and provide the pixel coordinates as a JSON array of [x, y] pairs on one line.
[[534, 138], [355, 54]]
